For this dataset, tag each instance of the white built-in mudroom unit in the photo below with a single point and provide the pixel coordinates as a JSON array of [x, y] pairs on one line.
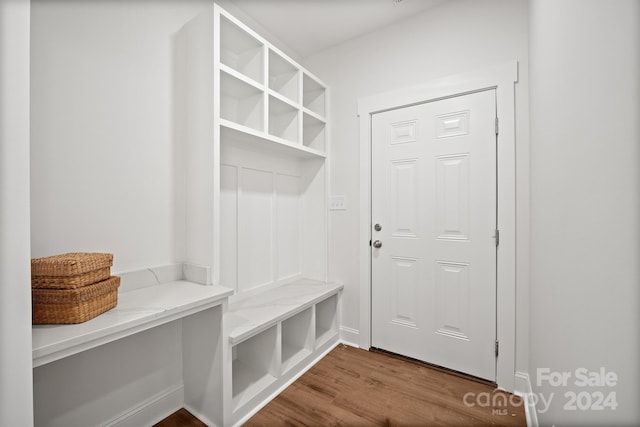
[[252, 309], [275, 178]]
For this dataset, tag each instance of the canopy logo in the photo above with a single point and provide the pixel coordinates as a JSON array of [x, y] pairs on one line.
[[587, 391]]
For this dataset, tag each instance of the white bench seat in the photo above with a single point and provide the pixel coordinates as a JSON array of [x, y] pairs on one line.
[[252, 315]]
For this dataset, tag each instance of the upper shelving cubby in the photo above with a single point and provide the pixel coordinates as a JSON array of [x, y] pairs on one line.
[[241, 102], [283, 120], [240, 51], [283, 77], [313, 134], [313, 95], [265, 96]]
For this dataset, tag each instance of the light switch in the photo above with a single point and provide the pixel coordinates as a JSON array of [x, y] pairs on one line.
[[338, 203]]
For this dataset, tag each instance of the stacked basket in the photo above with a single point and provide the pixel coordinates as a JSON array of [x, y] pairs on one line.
[[72, 288]]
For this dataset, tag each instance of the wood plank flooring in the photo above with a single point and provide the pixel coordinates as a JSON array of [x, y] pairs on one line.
[[353, 387], [181, 418]]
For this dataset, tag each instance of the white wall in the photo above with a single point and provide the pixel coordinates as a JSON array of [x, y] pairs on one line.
[[15, 296], [105, 169], [107, 175], [457, 36], [585, 201]]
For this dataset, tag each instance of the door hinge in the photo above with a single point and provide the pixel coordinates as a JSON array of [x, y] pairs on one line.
[[497, 125], [497, 237], [497, 348]]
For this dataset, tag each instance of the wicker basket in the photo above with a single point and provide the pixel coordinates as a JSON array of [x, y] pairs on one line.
[[63, 306], [70, 271]]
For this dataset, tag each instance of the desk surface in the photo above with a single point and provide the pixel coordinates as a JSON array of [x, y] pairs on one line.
[[136, 311]]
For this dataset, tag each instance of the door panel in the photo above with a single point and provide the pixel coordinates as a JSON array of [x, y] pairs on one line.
[[405, 196], [404, 282], [434, 196], [452, 197], [452, 299]]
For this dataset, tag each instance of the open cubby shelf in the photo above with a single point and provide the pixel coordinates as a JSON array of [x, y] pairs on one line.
[[296, 321], [248, 381], [283, 120], [297, 342], [241, 102], [283, 77], [240, 50], [326, 320], [313, 95], [254, 366], [313, 135], [289, 107]]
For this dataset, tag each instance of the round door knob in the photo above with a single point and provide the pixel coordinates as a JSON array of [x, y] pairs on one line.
[[377, 244]]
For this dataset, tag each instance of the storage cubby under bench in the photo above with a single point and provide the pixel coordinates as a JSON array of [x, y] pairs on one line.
[[274, 336]]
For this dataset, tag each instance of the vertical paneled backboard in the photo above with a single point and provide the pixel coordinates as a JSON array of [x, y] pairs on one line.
[[255, 228], [288, 227], [229, 225], [271, 218]]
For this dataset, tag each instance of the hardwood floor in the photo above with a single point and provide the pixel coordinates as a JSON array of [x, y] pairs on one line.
[[353, 387], [181, 418]]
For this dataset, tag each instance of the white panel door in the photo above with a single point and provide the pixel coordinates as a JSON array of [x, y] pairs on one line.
[[434, 199]]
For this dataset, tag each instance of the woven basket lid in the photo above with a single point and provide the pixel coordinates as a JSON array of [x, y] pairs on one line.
[[70, 264]]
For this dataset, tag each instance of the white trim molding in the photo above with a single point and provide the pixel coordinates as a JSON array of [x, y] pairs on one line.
[[152, 410], [502, 78], [349, 336], [524, 390]]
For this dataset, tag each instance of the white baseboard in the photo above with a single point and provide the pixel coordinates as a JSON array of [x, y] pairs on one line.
[[199, 416], [152, 410], [524, 390], [350, 336], [522, 384]]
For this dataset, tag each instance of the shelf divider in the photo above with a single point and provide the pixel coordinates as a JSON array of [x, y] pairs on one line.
[[235, 133]]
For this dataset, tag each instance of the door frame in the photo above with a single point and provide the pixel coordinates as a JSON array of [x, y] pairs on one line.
[[502, 78]]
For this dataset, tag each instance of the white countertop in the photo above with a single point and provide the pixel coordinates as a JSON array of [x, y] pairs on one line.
[[137, 310], [250, 316]]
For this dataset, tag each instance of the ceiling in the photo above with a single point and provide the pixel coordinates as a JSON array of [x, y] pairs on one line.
[[310, 26]]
